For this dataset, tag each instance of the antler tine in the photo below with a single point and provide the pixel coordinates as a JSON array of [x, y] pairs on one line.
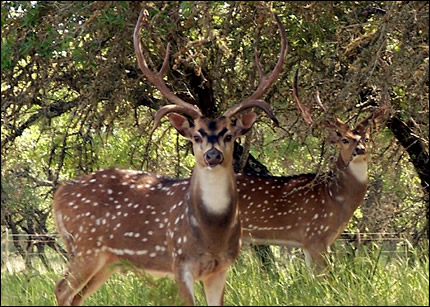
[[267, 80], [365, 122], [380, 111], [156, 78], [172, 108], [318, 100], [249, 104], [305, 110]]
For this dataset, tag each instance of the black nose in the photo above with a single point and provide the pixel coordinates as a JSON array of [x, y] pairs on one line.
[[360, 150], [213, 157]]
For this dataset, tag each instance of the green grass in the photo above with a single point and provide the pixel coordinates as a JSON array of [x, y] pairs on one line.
[[370, 278]]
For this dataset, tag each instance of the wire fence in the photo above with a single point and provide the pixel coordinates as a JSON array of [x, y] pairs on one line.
[[14, 260]]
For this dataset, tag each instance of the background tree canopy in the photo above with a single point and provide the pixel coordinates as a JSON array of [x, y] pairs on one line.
[[73, 99]]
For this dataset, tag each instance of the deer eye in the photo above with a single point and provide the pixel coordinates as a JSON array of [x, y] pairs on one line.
[[197, 139], [366, 140], [227, 138], [345, 141]]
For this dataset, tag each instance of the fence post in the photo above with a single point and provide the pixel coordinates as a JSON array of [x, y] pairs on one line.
[[6, 247]]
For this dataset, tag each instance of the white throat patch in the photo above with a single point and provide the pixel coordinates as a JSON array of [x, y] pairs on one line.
[[214, 188], [359, 170]]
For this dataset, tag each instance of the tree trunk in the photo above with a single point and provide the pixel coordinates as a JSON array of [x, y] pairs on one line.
[[419, 157]]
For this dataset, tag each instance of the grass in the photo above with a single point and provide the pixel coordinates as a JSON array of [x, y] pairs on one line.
[[369, 278]]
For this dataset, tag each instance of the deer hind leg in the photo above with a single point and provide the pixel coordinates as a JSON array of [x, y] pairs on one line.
[[93, 284], [214, 288], [315, 259], [77, 277]]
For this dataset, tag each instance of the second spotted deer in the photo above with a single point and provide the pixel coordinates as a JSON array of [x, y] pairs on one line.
[[188, 231], [309, 211]]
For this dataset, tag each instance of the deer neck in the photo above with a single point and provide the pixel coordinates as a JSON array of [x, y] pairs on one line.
[[213, 195], [214, 212], [353, 171], [349, 183]]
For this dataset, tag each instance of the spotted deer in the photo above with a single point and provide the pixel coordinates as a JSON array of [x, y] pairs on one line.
[[309, 211], [188, 230]]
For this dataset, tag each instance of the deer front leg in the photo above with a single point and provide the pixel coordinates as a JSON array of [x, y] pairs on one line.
[[185, 281], [214, 288]]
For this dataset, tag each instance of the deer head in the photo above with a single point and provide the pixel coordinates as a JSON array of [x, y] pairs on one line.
[[212, 139]]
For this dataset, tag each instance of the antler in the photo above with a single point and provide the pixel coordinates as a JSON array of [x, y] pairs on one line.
[[172, 108], [372, 117], [255, 103], [157, 78], [318, 101], [265, 80], [305, 110], [338, 123]]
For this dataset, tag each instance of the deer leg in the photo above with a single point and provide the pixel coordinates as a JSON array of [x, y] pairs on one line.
[[185, 281], [214, 288], [314, 258], [93, 285], [79, 273]]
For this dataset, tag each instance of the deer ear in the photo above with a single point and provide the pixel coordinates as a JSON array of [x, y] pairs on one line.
[[181, 124], [244, 123], [337, 125], [334, 136], [337, 129]]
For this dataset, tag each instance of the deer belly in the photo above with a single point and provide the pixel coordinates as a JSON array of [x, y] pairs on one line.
[[270, 241]]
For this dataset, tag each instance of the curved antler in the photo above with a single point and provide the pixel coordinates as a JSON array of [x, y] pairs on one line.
[[249, 104], [306, 110], [172, 108], [265, 80], [335, 122], [157, 78], [372, 117]]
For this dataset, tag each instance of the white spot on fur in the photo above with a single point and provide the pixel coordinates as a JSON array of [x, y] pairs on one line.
[[193, 221], [340, 198]]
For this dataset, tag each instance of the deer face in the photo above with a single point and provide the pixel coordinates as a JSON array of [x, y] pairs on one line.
[[352, 143], [360, 149], [213, 139], [354, 147]]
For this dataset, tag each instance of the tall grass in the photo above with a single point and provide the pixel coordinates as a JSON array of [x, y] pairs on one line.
[[369, 278]]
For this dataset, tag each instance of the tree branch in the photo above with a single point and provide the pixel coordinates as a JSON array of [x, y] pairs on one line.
[[51, 111]]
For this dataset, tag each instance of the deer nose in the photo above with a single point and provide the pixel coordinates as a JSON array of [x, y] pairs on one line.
[[213, 157], [360, 150]]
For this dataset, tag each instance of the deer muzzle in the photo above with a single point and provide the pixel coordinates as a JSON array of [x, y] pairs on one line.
[[213, 157], [360, 150]]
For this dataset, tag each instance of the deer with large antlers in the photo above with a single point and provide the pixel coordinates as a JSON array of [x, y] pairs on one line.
[[309, 211], [189, 230]]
